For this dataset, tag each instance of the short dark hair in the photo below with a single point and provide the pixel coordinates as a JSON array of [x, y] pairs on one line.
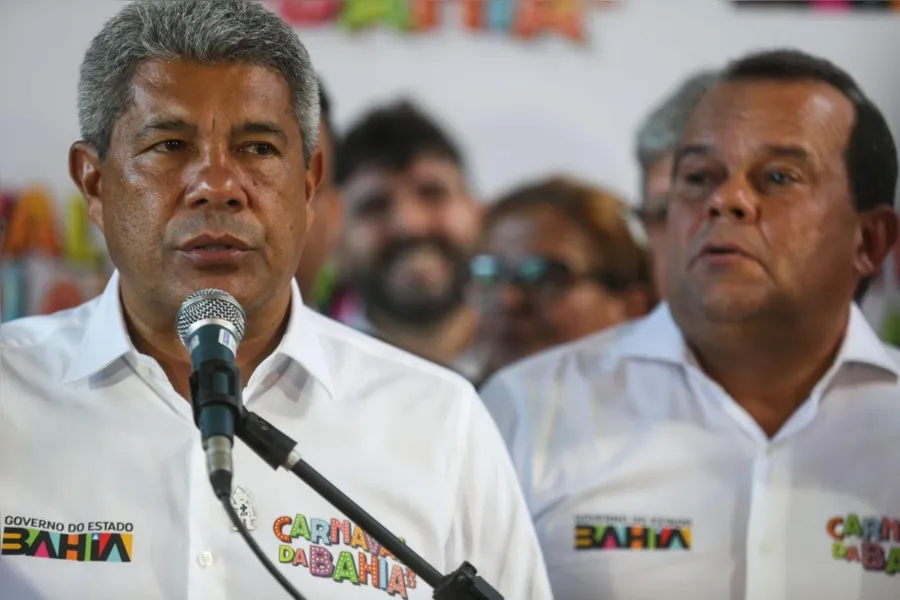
[[325, 107], [871, 154], [392, 136]]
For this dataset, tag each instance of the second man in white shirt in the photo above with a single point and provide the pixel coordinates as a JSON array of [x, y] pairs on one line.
[[739, 442]]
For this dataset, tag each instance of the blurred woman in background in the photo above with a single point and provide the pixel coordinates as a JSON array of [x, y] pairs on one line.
[[557, 261]]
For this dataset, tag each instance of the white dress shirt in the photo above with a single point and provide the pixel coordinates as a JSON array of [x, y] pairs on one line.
[[104, 493], [646, 480]]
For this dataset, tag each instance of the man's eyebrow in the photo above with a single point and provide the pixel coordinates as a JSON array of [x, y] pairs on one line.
[[269, 127], [165, 124], [691, 149], [788, 151]]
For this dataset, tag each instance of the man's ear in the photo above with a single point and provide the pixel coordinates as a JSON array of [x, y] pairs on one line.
[[335, 209], [879, 229], [84, 169], [313, 179], [314, 173]]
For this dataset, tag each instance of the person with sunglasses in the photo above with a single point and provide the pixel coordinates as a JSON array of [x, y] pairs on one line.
[[557, 261]]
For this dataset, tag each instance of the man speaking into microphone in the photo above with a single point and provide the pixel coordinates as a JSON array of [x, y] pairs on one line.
[[198, 162]]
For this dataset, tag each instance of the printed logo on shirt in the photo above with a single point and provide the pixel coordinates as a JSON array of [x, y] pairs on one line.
[[874, 542], [340, 550], [90, 541], [614, 532]]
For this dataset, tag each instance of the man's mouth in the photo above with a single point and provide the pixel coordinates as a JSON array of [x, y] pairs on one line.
[[221, 248]]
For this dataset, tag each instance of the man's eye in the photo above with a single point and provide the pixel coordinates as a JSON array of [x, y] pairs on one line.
[[780, 177], [696, 178], [171, 146], [261, 149]]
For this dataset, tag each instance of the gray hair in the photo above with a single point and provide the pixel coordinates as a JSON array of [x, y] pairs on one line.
[[664, 126], [201, 31]]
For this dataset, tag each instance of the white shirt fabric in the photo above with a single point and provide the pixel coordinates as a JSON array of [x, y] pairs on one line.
[[105, 493], [646, 480], [469, 363]]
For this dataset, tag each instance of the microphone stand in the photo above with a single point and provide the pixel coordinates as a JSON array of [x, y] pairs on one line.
[[217, 383], [279, 450]]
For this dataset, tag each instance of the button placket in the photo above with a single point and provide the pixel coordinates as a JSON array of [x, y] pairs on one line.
[[765, 561]]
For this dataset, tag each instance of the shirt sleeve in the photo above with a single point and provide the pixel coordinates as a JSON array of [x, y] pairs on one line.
[[496, 534]]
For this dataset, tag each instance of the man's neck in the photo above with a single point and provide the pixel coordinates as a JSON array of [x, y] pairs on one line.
[[150, 337], [769, 371], [441, 342]]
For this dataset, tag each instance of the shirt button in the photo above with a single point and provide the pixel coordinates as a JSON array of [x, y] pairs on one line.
[[205, 559]]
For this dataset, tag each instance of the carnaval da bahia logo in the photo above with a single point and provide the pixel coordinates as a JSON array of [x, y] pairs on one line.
[[874, 542], [339, 550]]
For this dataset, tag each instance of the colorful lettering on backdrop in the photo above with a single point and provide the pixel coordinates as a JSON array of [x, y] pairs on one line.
[[821, 5], [43, 270], [525, 19], [309, 12]]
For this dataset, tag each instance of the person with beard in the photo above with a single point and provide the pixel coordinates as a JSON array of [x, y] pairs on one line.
[[316, 273], [410, 227]]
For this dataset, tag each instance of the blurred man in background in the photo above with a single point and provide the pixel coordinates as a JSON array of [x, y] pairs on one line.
[[410, 227], [656, 140], [316, 272], [557, 262]]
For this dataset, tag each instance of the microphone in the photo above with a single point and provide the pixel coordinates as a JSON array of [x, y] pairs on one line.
[[211, 324]]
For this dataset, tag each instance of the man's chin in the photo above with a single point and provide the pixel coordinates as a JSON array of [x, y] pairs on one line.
[[247, 288], [733, 308]]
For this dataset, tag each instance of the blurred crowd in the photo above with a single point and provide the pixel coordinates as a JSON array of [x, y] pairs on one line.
[[402, 249]]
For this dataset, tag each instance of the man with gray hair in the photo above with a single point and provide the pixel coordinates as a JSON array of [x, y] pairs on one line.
[[199, 162], [657, 137]]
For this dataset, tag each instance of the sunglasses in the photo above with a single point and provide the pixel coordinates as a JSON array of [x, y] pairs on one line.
[[546, 277], [651, 215]]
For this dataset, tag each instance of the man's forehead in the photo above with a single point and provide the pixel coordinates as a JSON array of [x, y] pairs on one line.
[[804, 110], [420, 168], [250, 91]]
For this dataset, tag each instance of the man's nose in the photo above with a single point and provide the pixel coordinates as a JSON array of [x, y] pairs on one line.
[[735, 200], [216, 180], [408, 218]]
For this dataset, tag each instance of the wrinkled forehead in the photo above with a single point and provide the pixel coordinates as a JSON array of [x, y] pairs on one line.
[[745, 115]]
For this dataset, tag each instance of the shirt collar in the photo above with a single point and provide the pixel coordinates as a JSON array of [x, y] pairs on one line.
[[301, 342], [106, 338], [657, 337]]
